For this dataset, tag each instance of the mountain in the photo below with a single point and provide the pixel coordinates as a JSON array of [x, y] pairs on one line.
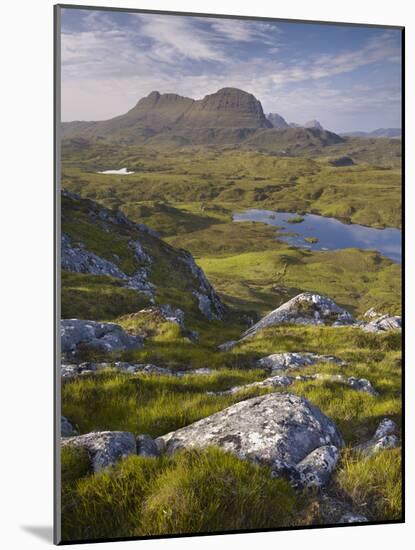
[[178, 118], [380, 132], [229, 116], [277, 120], [292, 141], [112, 266], [313, 124]]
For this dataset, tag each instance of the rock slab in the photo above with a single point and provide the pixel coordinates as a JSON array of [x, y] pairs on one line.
[[278, 430], [107, 337]]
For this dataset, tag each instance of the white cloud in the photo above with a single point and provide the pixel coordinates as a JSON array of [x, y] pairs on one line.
[[107, 67]]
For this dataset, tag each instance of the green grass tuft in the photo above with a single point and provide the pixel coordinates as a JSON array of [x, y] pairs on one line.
[[193, 491]]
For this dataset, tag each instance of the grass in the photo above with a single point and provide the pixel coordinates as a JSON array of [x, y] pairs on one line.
[[191, 492], [189, 196], [311, 240], [373, 484], [368, 194], [147, 404], [159, 404], [97, 297], [295, 219]]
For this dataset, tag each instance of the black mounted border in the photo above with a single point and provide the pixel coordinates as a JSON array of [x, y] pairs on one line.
[[57, 285]]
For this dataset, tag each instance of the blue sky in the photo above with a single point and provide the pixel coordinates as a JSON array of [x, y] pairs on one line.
[[349, 78]]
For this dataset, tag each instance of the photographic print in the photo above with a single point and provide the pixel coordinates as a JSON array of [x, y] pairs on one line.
[[229, 274]]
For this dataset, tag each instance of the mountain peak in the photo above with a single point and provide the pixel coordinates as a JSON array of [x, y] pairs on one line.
[[313, 124]]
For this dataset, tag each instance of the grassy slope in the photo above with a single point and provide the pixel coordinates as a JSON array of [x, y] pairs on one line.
[[157, 404], [235, 179], [252, 271]]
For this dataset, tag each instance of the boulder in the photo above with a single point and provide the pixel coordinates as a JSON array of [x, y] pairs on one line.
[[385, 437], [146, 446], [305, 309], [104, 448], [316, 468], [294, 360], [384, 323], [107, 337], [278, 430]]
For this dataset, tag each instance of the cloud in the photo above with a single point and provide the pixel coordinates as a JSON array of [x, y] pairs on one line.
[[109, 62]]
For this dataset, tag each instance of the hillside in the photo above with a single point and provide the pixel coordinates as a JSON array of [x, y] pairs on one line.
[[113, 266]]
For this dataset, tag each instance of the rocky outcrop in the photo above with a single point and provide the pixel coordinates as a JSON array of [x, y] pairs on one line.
[[384, 323], [313, 124], [277, 120], [279, 430], [313, 309], [294, 360], [359, 384], [385, 437], [107, 337], [209, 302], [104, 448], [80, 260], [72, 370], [305, 309]]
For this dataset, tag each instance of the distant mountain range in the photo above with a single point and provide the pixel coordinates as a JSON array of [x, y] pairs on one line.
[[279, 122], [380, 132], [229, 116]]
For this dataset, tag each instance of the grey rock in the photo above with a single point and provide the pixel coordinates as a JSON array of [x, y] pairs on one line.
[[316, 468], [359, 384], [305, 309], [67, 430], [105, 336], [104, 448], [227, 345], [294, 360], [142, 368], [385, 437], [80, 260], [351, 517], [383, 323], [386, 427], [195, 372], [272, 382], [146, 446], [208, 301], [139, 253], [279, 430]]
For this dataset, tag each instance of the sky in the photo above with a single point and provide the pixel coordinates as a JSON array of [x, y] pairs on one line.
[[348, 78]]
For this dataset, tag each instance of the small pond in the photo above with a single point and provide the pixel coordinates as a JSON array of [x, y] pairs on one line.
[[328, 233]]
